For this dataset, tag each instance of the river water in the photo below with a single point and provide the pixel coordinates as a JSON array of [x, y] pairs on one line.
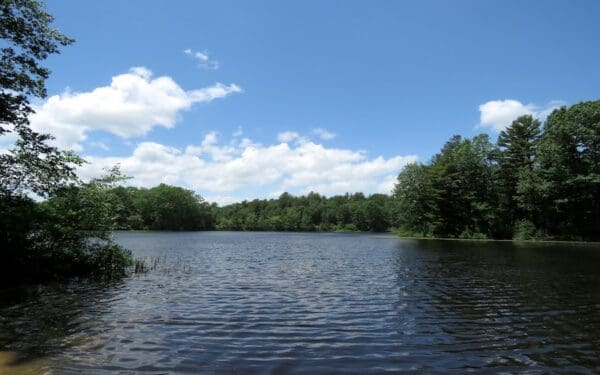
[[222, 302]]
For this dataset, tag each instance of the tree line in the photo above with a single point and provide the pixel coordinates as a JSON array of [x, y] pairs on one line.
[[166, 207], [162, 207], [535, 182], [312, 212]]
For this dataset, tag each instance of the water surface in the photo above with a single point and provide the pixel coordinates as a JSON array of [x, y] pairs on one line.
[[221, 302]]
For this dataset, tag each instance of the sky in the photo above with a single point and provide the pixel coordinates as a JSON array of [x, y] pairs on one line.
[[248, 99]]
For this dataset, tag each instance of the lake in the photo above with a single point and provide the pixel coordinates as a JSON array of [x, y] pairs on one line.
[[223, 302]]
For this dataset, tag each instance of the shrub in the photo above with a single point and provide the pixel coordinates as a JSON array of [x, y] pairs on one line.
[[524, 230], [405, 232], [67, 235]]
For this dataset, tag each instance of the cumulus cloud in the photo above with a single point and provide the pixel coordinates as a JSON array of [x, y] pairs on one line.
[[499, 114], [324, 134], [202, 58], [221, 172], [133, 104], [387, 184]]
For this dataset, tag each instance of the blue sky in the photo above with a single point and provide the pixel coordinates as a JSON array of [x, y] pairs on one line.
[[238, 115]]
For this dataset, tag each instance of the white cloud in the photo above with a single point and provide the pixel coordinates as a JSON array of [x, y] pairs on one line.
[[287, 136], [131, 105], [543, 113], [209, 147], [202, 58], [324, 134], [499, 114], [387, 184], [222, 200], [225, 172]]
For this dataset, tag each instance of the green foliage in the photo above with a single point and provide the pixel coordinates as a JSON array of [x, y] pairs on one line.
[[31, 166], [28, 39], [516, 157], [524, 230], [162, 207], [67, 235], [310, 213], [417, 199], [569, 158], [64, 236], [534, 183], [452, 194], [410, 233], [466, 235]]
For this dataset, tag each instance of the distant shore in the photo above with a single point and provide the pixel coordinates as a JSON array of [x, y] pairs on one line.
[[499, 240], [390, 233]]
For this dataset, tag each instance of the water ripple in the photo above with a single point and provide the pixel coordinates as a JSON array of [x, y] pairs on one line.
[[309, 303]]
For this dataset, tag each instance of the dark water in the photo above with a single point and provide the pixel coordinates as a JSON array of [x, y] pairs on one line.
[[313, 303]]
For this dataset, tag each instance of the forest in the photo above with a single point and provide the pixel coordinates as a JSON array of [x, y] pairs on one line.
[[167, 207], [312, 212], [535, 182]]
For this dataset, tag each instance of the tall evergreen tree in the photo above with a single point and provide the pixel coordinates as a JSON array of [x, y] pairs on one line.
[[516, 160], [462, 176], [570, 164], [417, 199]]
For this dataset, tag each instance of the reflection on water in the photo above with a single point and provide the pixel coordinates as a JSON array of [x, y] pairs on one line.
[[268, 302]]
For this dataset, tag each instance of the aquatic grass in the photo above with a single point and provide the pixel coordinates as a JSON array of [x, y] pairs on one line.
[[139, 266], [145, 265]]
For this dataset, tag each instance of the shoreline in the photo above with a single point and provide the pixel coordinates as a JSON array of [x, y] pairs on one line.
[[386, 234], [500, 240]]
